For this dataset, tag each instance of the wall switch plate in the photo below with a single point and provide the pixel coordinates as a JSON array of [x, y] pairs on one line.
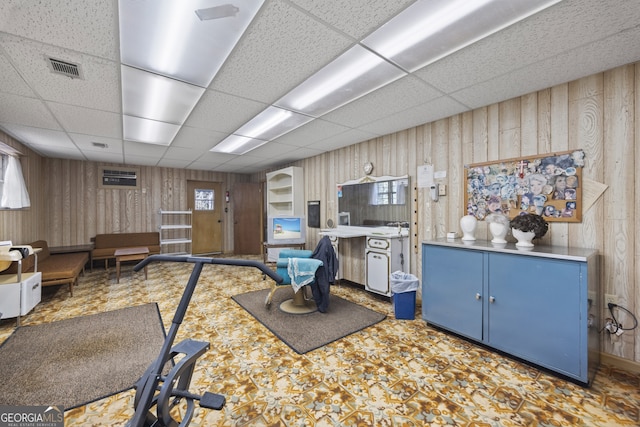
[[442, 190]]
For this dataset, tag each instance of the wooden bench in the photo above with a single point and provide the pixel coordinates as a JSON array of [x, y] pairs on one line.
[[105, 245]]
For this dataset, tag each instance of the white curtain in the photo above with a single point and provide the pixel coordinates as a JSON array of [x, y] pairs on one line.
[[14, 190]]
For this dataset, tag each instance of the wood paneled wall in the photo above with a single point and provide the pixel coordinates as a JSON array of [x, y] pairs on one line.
[[69, 206], [599, 114]]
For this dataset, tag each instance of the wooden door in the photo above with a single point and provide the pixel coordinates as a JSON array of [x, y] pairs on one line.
[[247, 218], [206, 202]]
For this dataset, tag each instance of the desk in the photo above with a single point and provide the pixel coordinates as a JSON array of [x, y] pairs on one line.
[[74, 249], [266, 246], [130, 254]]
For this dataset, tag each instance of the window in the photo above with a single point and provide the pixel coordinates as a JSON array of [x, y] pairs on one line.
[[389, 192]]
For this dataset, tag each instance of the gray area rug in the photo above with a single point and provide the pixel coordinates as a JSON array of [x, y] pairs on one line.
[[75, 361], [306, 332]]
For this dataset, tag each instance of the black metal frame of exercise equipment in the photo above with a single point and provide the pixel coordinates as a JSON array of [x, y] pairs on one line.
[[165, 392]]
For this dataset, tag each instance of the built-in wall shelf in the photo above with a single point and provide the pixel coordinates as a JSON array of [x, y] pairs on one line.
[[285, 192], [175, 231]]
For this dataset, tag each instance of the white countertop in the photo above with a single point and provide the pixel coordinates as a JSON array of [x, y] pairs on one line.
[[346, 232], [558, 252]]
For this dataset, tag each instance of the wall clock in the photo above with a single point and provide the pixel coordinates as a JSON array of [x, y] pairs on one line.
[[368, 168]]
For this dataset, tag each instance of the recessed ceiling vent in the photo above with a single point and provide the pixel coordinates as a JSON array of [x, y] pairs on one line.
[[65, 68]]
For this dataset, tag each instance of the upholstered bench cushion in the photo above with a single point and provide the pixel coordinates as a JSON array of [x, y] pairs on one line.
[[62, 266]]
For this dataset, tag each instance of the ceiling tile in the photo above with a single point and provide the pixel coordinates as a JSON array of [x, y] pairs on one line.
[[61, 22], [139, 149], [398, 96], [311, 133], [280, 50], [11, 81], [356, 18], [173, 163], [195, 138], [87, 121], [85, 143], [425, 113], [41, 137], [99, 88], [26, 111], [223, 112], [344, 139]]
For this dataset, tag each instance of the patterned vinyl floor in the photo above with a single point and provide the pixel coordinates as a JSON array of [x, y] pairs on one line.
[[395, 373]]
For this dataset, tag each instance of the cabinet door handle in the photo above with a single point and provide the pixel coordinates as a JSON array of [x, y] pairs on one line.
[[492, 299], [478, 296]]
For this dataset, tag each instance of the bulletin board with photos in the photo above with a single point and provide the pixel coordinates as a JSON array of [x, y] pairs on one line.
[[548, 185]]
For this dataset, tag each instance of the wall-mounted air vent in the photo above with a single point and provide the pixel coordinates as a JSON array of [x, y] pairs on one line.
[[116, 177], [65, 68]]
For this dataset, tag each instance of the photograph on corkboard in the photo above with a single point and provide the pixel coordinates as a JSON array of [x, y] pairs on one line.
[[548, 185]]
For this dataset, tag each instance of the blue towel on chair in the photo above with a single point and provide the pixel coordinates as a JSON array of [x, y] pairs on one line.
[[302, 271]]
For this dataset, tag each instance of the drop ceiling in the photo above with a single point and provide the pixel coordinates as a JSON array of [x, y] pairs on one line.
[[288, 41]]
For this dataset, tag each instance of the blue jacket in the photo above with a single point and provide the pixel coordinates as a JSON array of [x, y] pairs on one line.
[[325, 274]]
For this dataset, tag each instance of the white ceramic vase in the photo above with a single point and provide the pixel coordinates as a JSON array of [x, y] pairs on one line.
[[524, 238], [499, 232], [468, 224]]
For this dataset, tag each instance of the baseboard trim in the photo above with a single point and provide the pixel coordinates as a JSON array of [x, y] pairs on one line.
[[619, 362]]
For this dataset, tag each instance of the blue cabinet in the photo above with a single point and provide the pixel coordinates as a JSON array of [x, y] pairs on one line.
[[539, 305], [451, 296]]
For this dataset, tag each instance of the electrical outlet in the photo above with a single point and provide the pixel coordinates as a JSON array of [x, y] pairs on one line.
[[442, 189], [610, 298]]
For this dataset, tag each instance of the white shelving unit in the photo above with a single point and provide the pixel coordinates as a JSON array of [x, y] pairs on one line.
[[285, 196], [285, 192], [175, 231]]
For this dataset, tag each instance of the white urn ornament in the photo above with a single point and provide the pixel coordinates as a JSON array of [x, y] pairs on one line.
[[526, 227], [468, 224], [524, 238]]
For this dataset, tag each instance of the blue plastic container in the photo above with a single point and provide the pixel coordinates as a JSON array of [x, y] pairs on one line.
[[404, 305]]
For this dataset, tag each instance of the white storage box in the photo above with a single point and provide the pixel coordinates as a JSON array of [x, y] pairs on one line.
[[19, 298]]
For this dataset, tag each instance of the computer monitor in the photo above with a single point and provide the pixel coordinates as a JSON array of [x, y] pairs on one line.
[[286, 230]]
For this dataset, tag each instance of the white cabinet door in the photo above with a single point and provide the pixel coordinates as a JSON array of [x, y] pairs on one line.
[[378, 272]]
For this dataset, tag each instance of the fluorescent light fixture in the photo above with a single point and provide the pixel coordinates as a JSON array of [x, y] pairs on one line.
[[156, 97], [428, 30], [272, 123], [266, 126], [148, 131], [352, 75], [167, 37], [236, 144], [170, 52]]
